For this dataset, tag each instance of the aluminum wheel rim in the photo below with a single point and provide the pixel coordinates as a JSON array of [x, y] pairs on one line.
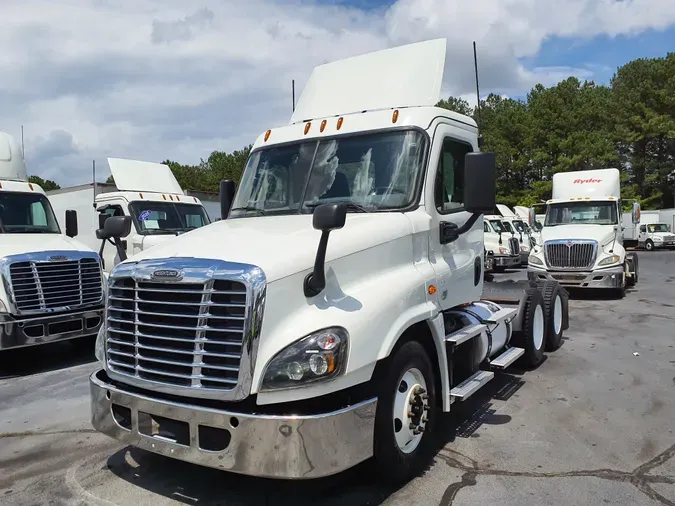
[[538, 328], [411, 405], [557, 315]]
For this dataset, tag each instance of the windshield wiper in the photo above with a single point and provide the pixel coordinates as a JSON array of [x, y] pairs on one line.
[[249, 208], [351, 206]]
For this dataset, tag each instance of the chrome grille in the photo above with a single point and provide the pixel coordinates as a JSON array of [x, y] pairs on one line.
[[184, 334], [48, 285], [569, 254], [514, 245]]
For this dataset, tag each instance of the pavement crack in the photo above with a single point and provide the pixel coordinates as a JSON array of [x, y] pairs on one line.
[[27, 433], [638, 477]]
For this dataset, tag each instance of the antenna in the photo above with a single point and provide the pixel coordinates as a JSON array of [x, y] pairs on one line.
[[293, 91], [93, 178], [475, 65], [23, 150]]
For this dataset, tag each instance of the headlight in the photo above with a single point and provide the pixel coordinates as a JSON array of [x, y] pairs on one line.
[[3, 308], [534, 260], [504, 251], [99, 351], [658, 238], [317, 357], [609, 260], [523, 248]]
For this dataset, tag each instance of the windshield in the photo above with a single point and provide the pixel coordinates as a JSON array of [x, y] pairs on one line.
[[497, 226], [373, 171], [658, 227], [26, 213], [166, 217], [581, 213], [520, 225], [507, 226]]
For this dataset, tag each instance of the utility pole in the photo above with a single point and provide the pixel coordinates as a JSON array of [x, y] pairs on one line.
[[293, 92]]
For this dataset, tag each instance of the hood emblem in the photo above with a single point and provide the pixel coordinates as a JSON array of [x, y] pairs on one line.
[[168, 274], [569, 244], [57, 258]]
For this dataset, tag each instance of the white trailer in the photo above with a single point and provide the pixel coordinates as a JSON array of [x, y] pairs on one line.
[[582, 235], [147, 192], [51, 286], [340, 306]]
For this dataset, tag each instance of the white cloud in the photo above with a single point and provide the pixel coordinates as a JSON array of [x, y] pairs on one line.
[[156, 79]]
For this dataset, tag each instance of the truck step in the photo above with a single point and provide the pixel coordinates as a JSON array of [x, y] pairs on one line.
[[507, 358], [503, 314], [464, 334], [471, 385]]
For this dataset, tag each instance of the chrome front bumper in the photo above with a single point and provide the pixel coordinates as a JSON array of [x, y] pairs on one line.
[[272, 446], [601, 278], [505, 261], [31, 331]]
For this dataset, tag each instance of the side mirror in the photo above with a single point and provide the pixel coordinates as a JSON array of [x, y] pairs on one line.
[[531, 217], [480, 183], [115, 228], [71, 223], [226, 197], [635, 213], [327, 217]]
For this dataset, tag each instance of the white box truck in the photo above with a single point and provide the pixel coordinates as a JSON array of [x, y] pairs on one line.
[[582, 236], [653, 232], [340, 306], [146, 191], [51, 286]]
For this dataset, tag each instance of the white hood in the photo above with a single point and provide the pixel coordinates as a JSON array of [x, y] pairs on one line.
[[15, 244], [280, 245], [600, 233]]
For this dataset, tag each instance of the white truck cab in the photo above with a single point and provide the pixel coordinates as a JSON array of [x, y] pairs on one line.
[[147, 192], [582, 234], [655, 235], [339, 305], [51, 286], [501, 248]]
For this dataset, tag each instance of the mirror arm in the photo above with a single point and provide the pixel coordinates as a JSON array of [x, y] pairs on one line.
[[120, 249], [449, 232], [315, 281]]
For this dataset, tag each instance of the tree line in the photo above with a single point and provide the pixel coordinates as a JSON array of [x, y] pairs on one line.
[[628, 124]]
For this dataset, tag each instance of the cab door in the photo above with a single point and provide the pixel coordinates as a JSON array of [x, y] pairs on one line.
[[459, 263]]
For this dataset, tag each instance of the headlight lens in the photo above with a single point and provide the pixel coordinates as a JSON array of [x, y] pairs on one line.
[[99, 351], [609, 260], [3, 308], [504, 251], [534, 260], [658, 238], [317, 357], [523, 248]]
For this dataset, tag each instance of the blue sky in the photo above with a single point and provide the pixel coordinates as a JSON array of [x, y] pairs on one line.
[[178, 79]]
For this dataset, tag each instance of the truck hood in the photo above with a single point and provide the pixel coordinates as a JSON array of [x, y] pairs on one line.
[[14, 244], [600, 233], [280, 245]]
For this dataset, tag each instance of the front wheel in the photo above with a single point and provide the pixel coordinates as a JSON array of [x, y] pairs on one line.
[[406, 412], [649, 245]]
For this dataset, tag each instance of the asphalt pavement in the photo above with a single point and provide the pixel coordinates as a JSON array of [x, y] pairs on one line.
[[591, 425]]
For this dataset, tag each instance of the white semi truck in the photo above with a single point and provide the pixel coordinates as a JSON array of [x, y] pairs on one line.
[[51, 286], [501, 247], [582, 235], [339, 307], [654, 231], [147, 192]]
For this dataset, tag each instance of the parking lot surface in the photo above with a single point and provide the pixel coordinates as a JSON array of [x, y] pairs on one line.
[[594, 424]]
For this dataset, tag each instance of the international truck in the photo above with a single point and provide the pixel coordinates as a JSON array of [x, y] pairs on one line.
[[51, 286], [501, 247], [147, 192], [582, 235], [339, 306], [655, 230]]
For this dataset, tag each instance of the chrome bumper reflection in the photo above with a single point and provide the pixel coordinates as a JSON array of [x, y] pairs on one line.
[[270, 446], [605, 278]]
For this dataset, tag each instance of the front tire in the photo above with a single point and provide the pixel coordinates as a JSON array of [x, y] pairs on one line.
[[649, 245], [405, 417], [533, 335]]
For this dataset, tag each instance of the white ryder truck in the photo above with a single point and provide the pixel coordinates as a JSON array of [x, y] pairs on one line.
[[50, 285], [146, 191], [582, 234], [340, 307]]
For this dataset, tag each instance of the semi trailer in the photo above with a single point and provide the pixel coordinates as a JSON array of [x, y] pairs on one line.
[[339, 306], [51, 286]]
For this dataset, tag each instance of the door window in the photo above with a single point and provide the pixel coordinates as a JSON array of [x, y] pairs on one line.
[[449, 186]]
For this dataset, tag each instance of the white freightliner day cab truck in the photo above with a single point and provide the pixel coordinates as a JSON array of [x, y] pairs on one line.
[[147, 192], [582, 234], [338, 309], [51, 286]]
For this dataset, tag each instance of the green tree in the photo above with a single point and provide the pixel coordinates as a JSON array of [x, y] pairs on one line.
[[45, 184]]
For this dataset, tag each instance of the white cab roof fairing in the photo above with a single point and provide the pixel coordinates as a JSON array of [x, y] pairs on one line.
[[403, 76], [136, 175], [12, 164], [506, 212]]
